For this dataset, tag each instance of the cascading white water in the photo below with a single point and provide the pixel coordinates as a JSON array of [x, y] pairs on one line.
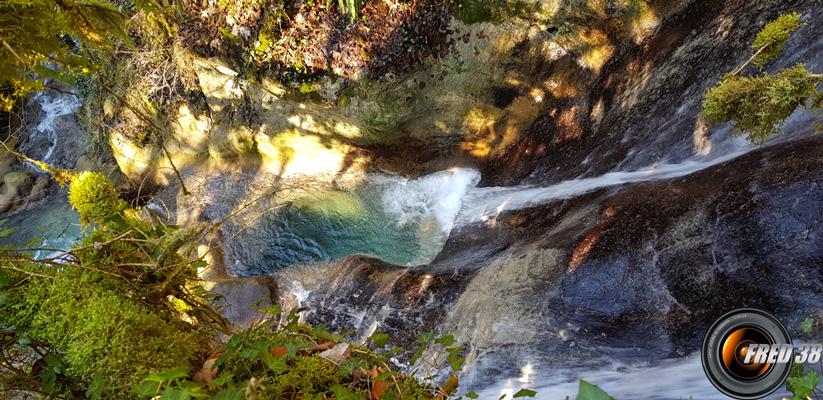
[[431, 203], [53, 105], [484, 204], [52, 224]]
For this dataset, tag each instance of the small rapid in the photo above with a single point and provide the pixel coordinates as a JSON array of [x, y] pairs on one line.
[[53, 105], [485, 204]]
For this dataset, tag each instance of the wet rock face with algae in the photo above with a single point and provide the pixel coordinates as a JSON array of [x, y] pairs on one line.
[[650, 263], [564, 90]]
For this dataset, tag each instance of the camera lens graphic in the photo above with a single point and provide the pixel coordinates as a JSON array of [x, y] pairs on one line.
[[725, 349], [734, 350]]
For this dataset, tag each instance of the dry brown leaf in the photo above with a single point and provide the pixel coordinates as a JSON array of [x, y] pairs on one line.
[[278, 351], [378, 387], [318, 348], [208, 372], [448, 387]]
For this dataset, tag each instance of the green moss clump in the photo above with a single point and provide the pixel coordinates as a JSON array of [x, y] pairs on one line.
[[769, 42], [94, 197], [99, 331], [759, 104]]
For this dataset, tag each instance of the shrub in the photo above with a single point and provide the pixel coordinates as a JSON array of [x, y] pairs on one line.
[[99, 332], [759, 104]]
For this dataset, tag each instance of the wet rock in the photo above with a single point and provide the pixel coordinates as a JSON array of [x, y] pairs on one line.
[[566, 284]]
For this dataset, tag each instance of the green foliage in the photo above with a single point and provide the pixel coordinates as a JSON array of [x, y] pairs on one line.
[[274, 361], [379, 339], [95, 198], [587, 391], [807, 325], [121, 305], [98, 330], [34, 39], [759, 104], [524, 393], [802, 385], [769, 42]]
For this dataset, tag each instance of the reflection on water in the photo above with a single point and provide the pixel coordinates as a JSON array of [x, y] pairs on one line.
[[404, 222], [51, 224], [673, 379]]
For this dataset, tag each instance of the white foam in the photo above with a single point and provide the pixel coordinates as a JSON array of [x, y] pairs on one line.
[[435, 197], [484, 204], [53, 106]]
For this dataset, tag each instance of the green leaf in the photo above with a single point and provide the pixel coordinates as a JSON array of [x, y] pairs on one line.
[[342, 393], [456, 363], [587, 391], [445, 341], [249, 353], [275, 364], [425, 338], [524, 393], [472, 395], [379, 339], [348, 367], [171, 393], [222, 379], [803, 386], [273, 309], [293, 348], [168, 375], [49, 375], [807, 325], [96, 387], [146, 388], [24, 339], [234, 393]]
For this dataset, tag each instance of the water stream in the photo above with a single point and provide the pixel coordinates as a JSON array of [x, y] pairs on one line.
[[407, 222], [484, 204], [53, 105], [673, 379]]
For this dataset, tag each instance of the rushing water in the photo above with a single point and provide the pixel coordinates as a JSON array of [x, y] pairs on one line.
[[53, 105], [50, 223], [484, 204], [405, 222], [681, 379]]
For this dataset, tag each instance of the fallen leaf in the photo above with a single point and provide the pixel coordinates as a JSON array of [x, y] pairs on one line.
[[448, 387], [318, 348], [208, 372], [337, 354], [378, 387], [279, 351]]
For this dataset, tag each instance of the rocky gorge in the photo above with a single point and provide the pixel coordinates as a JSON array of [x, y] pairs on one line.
[[549, 194]]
